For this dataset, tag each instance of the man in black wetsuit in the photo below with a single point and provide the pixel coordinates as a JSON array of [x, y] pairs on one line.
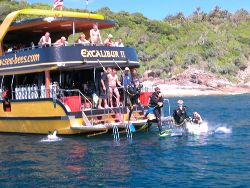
[[180, 114], [156, 103], [134, 91], [104, 88]]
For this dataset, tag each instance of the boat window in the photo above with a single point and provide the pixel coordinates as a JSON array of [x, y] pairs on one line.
[[77, 79], [27, 86]]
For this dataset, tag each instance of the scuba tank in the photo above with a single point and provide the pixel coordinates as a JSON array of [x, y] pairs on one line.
[[35, 91], [16, 93], [23, 92], [1, 91], [32, 96], [43, 92], [28, 92], [50, 90]]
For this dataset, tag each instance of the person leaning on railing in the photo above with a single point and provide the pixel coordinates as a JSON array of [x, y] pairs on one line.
[[45, 40], [61, 42], [119, 43], [108, 41], [82, 40]]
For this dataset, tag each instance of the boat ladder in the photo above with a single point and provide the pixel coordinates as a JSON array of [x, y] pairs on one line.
[[116, 133], [129, 132], [85, 119], [167, 120]]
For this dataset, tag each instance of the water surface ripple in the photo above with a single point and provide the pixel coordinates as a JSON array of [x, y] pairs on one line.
[[215, 160]]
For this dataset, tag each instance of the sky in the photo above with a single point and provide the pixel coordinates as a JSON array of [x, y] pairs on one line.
[[155, 9]]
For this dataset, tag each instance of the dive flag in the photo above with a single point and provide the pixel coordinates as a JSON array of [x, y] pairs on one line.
[[57, 4]]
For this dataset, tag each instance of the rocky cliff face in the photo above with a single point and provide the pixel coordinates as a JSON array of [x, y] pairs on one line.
[[201, 79]]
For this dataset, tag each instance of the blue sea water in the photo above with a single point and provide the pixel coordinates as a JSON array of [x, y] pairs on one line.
[[214, 160]]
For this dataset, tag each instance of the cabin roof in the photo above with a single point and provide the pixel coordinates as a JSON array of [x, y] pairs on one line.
[[32, 30]]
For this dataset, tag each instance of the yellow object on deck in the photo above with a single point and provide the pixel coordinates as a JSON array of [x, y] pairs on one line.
[[4, 27]]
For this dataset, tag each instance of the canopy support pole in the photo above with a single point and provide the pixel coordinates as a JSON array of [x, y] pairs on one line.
[[12, 87], [74, 31], [47, 83]]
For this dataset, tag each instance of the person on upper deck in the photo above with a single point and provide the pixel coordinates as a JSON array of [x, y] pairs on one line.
[[82, 40], [113, 81], [108, 41], [180, 113], [45, 40], [119, 43], [95, 36], [61, 42]]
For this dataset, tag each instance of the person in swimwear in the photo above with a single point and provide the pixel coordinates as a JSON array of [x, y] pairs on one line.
[[45, 40], [113, 80], [95, 36]]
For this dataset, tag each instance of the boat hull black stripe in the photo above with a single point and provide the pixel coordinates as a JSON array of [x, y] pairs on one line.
[[105, 111], [36, 118], [58, 102]]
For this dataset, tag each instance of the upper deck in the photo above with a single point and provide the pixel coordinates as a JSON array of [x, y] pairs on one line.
[[66, 57], [30, 58]]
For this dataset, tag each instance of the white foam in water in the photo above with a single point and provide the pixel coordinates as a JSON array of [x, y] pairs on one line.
[[51, 137], [223, 130], [176, 132], [197, 129]]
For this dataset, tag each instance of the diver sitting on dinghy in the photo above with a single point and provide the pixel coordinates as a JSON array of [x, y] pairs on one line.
[[180, 114], [196, 118]]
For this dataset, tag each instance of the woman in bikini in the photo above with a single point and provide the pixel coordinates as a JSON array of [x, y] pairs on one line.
[[113, 80]]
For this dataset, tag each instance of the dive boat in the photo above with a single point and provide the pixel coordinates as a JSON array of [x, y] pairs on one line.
[[51, 88]]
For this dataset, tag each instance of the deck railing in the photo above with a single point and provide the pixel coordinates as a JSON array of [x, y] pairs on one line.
[[11, 50]]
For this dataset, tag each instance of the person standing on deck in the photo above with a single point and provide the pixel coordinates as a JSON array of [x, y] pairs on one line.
[[126, 80], [113, 81], [134, 91], [104, 88], [95, 36]]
